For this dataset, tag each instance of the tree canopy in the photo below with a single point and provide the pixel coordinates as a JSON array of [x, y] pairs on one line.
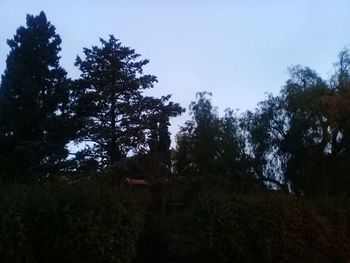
[[301, 135], [297, 140], [42, 111], [210, 145], [33, 96], [118, 118]]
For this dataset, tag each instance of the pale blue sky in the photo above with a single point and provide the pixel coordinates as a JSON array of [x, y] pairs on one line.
[[236, 49]]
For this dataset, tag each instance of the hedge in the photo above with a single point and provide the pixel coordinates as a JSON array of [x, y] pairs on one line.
[[89, 222], [255, 227]]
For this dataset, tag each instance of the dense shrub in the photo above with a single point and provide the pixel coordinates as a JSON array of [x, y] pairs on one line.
[[95, 222], [89, 222], [259, 227]]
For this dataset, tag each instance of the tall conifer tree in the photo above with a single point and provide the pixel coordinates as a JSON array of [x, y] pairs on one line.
[[33, 97], [119, 118]]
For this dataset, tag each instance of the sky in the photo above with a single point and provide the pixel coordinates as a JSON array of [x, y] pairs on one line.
[[238, 50]]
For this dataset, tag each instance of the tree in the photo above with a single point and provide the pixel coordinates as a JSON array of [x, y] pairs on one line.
[[118, 118], [159, 140], [300, 137], [210, 145], [196, 140], [33, 99]]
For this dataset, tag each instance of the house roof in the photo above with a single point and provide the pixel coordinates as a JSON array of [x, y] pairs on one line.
[[136, 181]]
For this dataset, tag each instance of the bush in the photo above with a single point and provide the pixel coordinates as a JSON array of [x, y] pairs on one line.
[[255, 227], [89, 222], [95, 222]]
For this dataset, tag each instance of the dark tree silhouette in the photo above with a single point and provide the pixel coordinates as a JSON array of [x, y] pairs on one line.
[[210, 145], [159, 140], [33, 97], [301, 136], [118, 118]]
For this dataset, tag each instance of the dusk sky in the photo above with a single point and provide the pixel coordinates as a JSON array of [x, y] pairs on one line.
[[238, 50]]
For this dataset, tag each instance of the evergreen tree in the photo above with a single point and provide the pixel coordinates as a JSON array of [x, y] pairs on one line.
[[33, 99], [118, 118], [159, 140]]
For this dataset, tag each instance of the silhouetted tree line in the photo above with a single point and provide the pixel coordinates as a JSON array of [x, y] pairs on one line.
[[42, 110], [297, 140], [103, 124]]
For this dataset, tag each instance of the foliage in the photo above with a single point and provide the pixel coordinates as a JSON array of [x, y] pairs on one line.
[[301, 136], [94, 222], [210, 145], [258, 227], [89, 222], [118, 118], [34, 124]]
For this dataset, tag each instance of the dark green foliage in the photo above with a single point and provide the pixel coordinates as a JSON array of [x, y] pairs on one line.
[[118, 118], [94, 222], [33, 96], [255, 227], [159, 140], [300, 137], [41, 111], [208, 204], [210, 145], [89, 222]]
